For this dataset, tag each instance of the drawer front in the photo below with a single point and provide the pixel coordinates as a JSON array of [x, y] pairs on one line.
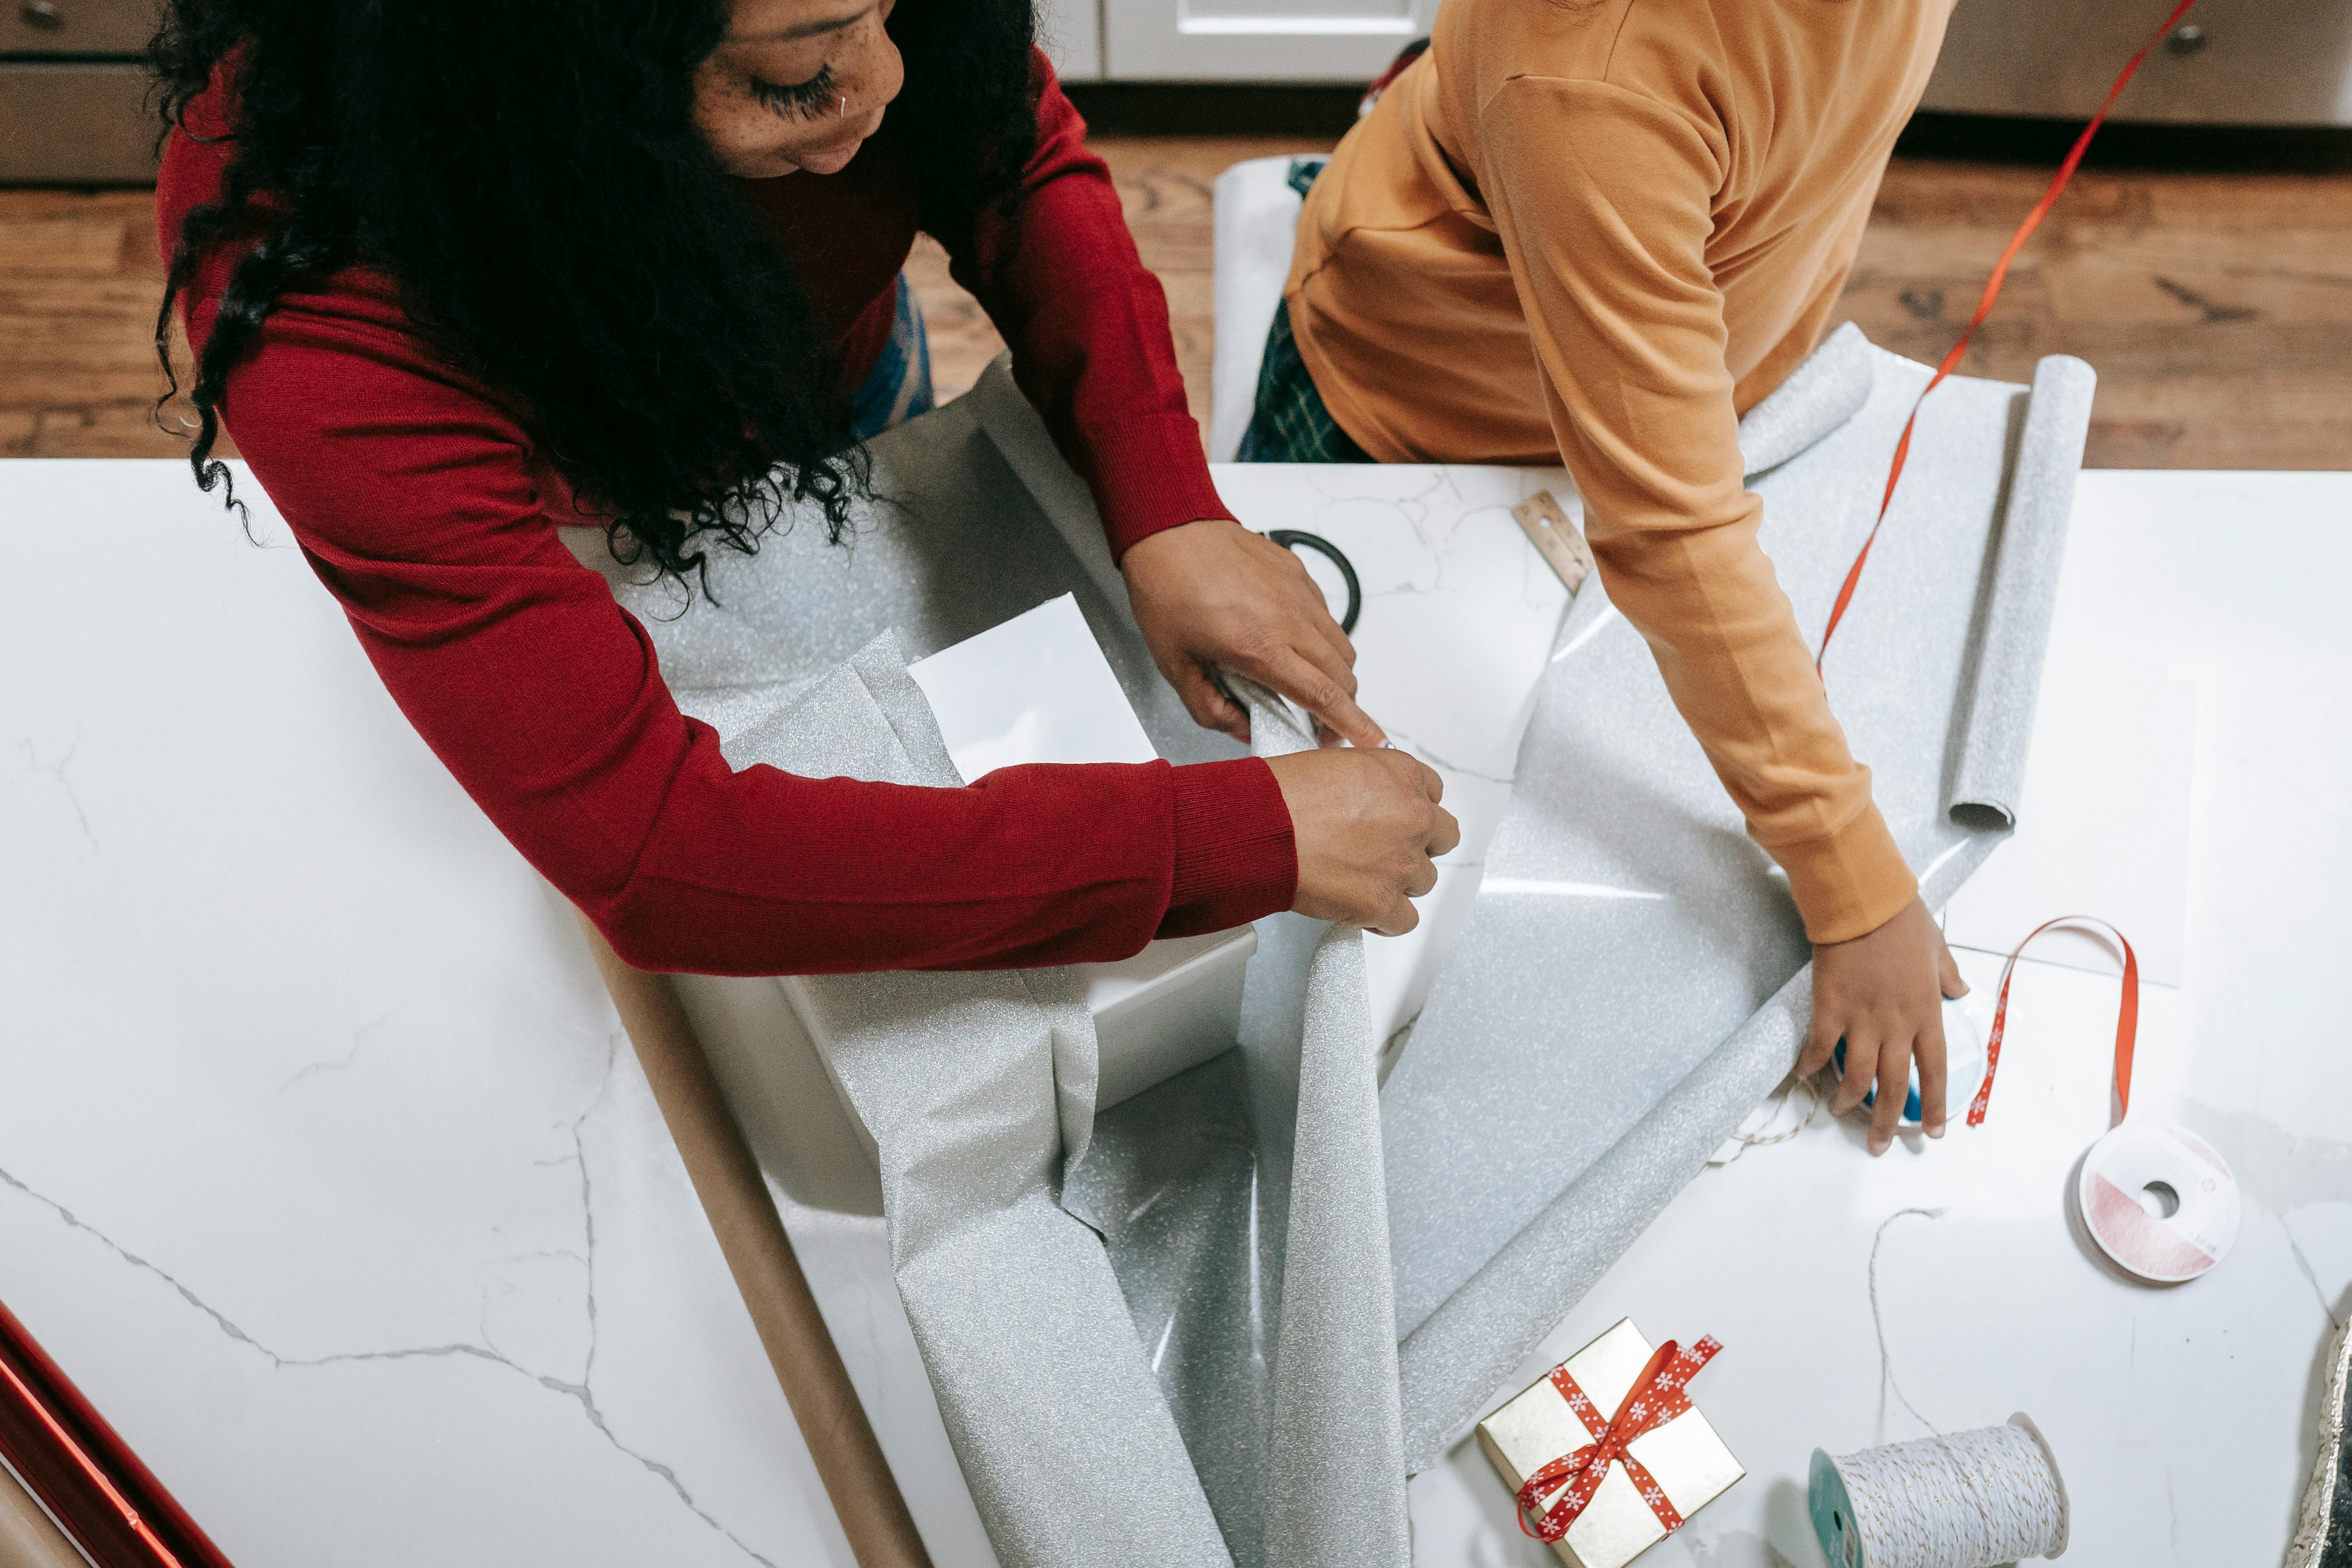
[[77, 26], [2249, 62], [78, 123]]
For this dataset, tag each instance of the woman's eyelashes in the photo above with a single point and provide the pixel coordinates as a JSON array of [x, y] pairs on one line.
[[798, 100]]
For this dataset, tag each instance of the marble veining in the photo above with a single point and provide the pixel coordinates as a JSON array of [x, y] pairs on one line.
[[530, 1319]]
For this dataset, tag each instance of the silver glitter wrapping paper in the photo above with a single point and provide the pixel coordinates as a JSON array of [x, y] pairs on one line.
[[1009, 1296], [1990, 772], [1200, 1274], [1019, 436], [1173, 1185], [1279, 1365], [1820, 394], [1334, 1454], [975, 1086], [2322, 1533], [979, 1088], [1641, 979], [1241, 1204]]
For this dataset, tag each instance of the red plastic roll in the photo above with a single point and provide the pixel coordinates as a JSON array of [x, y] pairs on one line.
[[81, 1470]]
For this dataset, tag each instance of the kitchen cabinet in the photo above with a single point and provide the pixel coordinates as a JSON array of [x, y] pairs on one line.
[[73, 91], [1257, 41], [2243, 62], [2233, 62]]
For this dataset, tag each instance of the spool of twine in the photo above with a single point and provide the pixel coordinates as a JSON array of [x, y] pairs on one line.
[[1968, 1500]]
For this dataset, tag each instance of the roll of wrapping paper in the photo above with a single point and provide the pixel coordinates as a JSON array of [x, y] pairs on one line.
[[725, 1177], [83, 1475]]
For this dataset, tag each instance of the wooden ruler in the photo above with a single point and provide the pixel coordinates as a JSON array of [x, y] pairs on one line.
[[1562, 545]]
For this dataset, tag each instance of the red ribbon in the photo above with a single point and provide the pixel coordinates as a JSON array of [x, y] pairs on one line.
[[1984, 309], [1656, 1398], [2126, 1017]]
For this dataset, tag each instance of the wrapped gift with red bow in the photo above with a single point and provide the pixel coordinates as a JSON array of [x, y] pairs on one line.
[[1606, 1453]]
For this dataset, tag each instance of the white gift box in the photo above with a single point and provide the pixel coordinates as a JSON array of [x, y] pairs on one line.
[[1684, 1457], [1038, 690]]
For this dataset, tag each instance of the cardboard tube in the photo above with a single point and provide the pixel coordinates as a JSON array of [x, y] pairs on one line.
[[27, 1538], [725, 1177]]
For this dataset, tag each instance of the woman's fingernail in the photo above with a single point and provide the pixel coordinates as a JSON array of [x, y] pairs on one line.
[[1880, 1145], [1936, 1131]]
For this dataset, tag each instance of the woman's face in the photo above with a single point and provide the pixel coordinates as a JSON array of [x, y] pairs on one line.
[[796, 84]]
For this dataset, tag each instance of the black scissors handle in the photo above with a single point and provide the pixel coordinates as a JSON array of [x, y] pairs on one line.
[[1293, 539]]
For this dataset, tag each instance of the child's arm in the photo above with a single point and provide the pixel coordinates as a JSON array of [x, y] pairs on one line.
[[1604, 200]]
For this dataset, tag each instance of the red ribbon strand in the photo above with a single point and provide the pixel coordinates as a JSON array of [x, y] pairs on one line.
[[2126, 1016], [1656, 1397], [1984, 309]]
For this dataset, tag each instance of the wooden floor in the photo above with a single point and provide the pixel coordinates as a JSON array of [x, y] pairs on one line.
[[2216, 308]]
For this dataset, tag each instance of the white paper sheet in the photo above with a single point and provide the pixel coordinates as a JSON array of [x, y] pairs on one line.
[[1034, 689], [2104, 830], [1037, 688]]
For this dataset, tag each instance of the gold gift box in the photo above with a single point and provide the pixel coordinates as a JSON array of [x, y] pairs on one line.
[[1684, 1457]]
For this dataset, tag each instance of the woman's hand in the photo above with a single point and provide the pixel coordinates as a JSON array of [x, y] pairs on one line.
[[1882, 994], [1367, 825], [1213, 595]]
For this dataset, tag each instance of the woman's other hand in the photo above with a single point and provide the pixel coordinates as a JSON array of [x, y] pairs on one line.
[[1368, 826], [1213, 596], [1883, 993]]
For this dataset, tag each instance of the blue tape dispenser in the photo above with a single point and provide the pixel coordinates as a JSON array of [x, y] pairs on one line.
[[1964, 1067]]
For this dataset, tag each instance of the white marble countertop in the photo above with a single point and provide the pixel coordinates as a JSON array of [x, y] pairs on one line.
[[324, 1170]]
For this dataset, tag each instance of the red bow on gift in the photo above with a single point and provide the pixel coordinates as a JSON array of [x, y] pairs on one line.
[[1656, 1398]]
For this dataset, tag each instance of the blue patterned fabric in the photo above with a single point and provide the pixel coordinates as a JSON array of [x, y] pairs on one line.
[[900, 385]]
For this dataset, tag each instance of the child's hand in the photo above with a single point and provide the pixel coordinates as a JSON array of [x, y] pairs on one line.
[[1882, 994]]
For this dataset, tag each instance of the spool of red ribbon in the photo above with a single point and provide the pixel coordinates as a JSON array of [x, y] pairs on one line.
[[2159, 1200]]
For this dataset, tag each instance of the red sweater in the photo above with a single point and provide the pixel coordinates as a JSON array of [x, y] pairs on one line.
[[423, 506]]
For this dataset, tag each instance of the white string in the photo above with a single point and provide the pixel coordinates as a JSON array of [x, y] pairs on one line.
[[1878, 1323], [1966, 1500], [1971, 1499], [1779, 1100]]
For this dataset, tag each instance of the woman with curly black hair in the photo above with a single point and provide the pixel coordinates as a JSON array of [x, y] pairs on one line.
[[457, 274]]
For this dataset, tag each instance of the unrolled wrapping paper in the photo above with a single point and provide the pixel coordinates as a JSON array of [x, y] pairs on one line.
[[1820, 395], [1634, 978], [1009, 1296], [1654, 981], [1334, 1451], [978, 1088], [1638, 980]]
